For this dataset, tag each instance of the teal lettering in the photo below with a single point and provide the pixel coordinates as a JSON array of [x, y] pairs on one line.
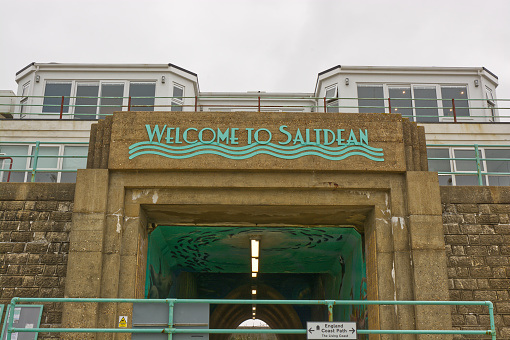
[[317, 136], [257, 136], [201, 133], [185, 136], [339, 139], [177, 133], [298, 137], [249, 134], [307, 133], [363, 137], [223, 136], [155, 132], [168, 134], [352, 139], [233, 138], [289, 136], [326, 141]]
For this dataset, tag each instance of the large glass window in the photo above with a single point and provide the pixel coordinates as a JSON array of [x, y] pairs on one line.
[[371, 99], [425, 102], [147, 90], [498, 161], [8, 173], [73, 163], [468, 164], [53, 93], [459, 94], [401, 100], [111, 98], [47, 160], [440, 165], [86, 101]]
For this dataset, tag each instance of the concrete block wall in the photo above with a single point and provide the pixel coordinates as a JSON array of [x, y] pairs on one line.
[[476, 223], [35, 220]]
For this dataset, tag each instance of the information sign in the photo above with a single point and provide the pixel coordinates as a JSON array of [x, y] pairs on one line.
[[331, 330]]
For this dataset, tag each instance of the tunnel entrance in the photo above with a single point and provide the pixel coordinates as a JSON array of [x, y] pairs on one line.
[[295, 263]]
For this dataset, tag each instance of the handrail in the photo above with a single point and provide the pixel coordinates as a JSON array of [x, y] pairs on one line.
[[172, 330], [266, 102]]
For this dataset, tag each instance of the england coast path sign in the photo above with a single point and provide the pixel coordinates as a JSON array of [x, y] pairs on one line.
[[331, 330]]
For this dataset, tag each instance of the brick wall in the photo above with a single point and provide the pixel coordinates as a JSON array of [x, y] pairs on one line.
[[477, 235], [35, 219]]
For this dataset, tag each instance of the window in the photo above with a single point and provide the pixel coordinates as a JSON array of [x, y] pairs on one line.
[[425, 102], [401, 100], [178, 97], [494, 165], [371, 99], [18, 163], [86, 100], [491, 103], [332, 98], [53, 93], [440, 165], [498, 161], [24, 98], [459, 96], [147, 90], [49, 165], [111, 98]]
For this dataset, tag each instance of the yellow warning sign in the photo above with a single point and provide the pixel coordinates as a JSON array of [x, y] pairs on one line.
[[123, 321]]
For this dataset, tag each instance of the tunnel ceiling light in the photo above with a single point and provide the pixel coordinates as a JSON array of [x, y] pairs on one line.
[[254, 248], [254, 292], [253, 274], [254, 308], [254, 265]]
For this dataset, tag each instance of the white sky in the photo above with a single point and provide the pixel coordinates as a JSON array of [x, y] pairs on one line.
[[267, 45]]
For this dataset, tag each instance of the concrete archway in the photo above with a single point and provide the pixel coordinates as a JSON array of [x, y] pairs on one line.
[[276, 316]]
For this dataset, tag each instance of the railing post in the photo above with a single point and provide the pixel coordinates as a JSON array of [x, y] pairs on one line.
[[389, 104], [10, 320], [35, 159], [61, 107], [330, 311], [478, 166], [170, 318], [196, 103], [129, 103], [491, 318], [454, 112], [259, 103], [325, 105]]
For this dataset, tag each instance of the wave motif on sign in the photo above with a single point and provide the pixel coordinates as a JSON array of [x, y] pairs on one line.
[[248, 151]]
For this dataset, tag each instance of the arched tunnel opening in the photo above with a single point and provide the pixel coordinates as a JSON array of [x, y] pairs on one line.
[[294, 263]]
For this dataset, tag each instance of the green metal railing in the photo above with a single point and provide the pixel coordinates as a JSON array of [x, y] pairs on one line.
[[480, 173], [172, 330], [449, 107], [35, 157]]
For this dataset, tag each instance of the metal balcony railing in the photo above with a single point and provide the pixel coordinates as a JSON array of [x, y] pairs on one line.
[[451, 110]]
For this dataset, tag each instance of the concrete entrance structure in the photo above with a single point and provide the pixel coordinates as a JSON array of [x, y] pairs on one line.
[[395, 203]]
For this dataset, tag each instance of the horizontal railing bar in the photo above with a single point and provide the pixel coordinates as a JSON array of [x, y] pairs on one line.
[[167, 330]]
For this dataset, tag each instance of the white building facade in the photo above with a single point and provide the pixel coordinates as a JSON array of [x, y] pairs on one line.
[[48, 120]]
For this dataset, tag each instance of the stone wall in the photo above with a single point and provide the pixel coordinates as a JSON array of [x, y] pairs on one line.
[[477, 236], [35, 220]]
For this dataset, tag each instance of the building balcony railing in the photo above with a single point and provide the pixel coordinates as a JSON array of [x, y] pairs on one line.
[[428, 110], [456, 164]]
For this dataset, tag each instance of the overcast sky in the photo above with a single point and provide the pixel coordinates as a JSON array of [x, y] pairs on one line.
[[242, 45]]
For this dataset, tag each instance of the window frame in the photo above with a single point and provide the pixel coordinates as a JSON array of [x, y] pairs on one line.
[[177, 104]]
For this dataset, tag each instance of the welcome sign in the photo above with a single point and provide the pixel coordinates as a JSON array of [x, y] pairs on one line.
[[285, 142]]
